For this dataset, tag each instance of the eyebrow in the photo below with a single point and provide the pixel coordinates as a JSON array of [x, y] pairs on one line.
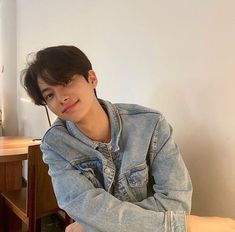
[[44, 90]]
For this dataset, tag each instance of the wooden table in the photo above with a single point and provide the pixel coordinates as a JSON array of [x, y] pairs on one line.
[[13, 150]]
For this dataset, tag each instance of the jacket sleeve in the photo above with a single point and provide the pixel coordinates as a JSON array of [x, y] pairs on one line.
[[96, 209], [172, 187]]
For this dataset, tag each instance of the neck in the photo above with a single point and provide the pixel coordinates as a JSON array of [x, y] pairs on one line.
[[96, 125]]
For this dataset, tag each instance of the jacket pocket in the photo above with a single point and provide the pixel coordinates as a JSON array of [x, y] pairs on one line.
[[136, 182], [138, 176]]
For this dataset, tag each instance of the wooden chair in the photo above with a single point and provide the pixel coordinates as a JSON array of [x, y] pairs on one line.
[[30, 204]]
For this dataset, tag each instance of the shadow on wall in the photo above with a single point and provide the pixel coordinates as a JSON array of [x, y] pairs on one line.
[[212, 190], [208, 157]]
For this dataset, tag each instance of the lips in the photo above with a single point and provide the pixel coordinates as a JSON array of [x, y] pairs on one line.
[[67, 109]]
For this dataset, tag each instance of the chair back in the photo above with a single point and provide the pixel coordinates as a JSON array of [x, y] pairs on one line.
[[40, 195]]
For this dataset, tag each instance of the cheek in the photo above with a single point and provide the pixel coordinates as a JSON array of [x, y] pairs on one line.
[[53, 108]]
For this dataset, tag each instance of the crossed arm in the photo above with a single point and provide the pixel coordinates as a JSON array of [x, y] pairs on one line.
[[100, 211]]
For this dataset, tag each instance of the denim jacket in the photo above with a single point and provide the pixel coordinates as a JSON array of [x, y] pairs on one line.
[[137, 182]]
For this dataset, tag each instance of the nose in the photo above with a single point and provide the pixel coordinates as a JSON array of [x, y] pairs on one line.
[[63, 99], [62, 96]]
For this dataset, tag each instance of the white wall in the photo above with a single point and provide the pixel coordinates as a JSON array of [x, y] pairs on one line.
[[1, 65], [1, 61], [8, 86], [175, 56]]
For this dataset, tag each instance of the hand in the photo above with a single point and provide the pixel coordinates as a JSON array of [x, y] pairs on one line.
[[74, 227], [207, 224]]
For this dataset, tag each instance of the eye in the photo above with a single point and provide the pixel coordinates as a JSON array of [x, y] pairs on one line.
[[49, 96], [68, 83]]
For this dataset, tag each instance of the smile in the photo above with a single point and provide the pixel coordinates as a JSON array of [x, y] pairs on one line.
[[69, 108]]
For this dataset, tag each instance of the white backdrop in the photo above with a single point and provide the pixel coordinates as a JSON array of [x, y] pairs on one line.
[[174, 56]]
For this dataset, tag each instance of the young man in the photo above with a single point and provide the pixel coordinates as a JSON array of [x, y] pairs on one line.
[[114, 167]]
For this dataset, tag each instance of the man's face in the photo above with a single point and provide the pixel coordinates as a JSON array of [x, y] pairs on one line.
[[72, 101]]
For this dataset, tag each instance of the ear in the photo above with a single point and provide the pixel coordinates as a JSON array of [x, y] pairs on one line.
[[92, 79]]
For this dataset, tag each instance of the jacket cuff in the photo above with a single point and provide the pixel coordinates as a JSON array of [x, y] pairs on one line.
[[176, 221]]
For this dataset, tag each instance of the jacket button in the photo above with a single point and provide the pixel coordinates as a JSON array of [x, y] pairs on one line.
[[107, 171]]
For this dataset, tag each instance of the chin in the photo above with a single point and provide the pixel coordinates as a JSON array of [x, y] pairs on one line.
[[74, 118]]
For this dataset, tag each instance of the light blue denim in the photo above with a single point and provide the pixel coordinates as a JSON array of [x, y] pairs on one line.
[[138, 182]]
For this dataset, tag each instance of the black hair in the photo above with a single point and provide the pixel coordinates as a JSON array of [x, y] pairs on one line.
[[55, 65]]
